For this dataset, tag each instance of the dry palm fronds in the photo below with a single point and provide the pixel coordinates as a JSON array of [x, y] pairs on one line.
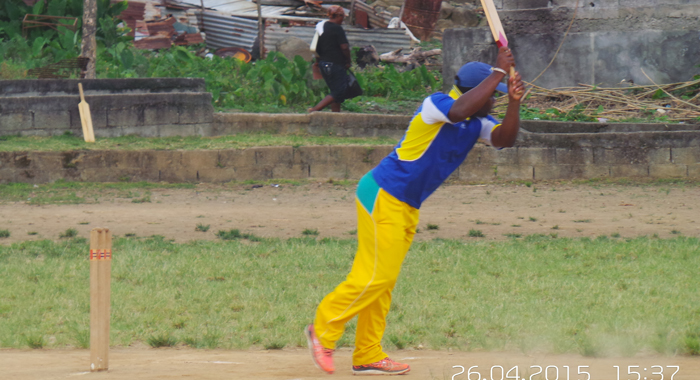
[[671, 102]]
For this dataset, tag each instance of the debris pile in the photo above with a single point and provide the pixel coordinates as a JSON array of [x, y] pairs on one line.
[[678, 102]]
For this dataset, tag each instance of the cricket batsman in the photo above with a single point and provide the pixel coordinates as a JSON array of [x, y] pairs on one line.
[[442, 132]]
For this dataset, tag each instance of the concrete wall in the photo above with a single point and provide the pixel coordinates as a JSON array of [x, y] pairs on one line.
[[544, 150], [582, 159], [155, 107], [595, 57]]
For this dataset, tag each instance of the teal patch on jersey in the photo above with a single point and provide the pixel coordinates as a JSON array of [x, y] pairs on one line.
[[367, 191]]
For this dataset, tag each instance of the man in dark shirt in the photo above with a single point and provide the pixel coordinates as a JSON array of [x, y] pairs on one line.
[[334, 58]]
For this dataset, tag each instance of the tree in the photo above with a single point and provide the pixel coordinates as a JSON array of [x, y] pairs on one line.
[[89, 43]]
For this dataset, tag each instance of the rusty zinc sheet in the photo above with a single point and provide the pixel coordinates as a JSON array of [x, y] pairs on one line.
[[241, 8], [380, 20], [384, 40], [229, 31]]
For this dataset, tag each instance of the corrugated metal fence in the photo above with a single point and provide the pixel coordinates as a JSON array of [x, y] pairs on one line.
[[384, 40], [229, 31]]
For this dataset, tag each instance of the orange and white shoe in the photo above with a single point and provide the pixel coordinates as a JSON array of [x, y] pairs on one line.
[[382, 367], [323, 357]]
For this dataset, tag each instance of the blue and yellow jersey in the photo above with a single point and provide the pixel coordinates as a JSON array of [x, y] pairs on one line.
[[431, 149]]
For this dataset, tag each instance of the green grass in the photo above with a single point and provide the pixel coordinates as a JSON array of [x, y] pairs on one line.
[[475, 233], [239, 141], [4, 234], [69, 233], [585, 296], [310, 232], [202, 227]]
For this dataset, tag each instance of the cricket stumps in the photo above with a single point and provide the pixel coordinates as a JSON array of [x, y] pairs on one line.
[[100, 278]]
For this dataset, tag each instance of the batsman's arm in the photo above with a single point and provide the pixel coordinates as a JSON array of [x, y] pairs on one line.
[[472, 101], [505, 135]]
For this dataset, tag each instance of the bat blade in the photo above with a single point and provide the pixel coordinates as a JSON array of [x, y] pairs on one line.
[[85, 117], [499, 35]]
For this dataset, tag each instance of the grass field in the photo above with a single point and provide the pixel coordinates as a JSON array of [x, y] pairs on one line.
[[239, 141], [593, 297]]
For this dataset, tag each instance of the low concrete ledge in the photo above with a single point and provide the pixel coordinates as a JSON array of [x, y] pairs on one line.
[[318, 123], [152, 107], [43, 87], [340, 162]]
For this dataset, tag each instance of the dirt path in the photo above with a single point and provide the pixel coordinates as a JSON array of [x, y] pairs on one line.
[[568, 210], [143, 364]]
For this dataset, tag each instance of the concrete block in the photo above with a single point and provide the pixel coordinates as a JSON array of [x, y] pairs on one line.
[[140, 130], [10, 123], [161, 113], [107, 132], [547, 172], [22, 160], [514, 172], [530, 4], [599, 9], [237, 158], [204, 129], [596, 171], [575, 156], [620, 156], [659, 156], [475, 154], [194, 109], [350, 153], [49, 162], [32, 176], [126, 116], [668, 171], [146, 173], [686, 156], [167, 159], [631, 170], [293, 171], [254, 173], [8, 175], [219, 175], [477, 172], [536, 156], [7, 159], [312, 155], [52, 120], [200, 159], [356, 170], [103, 175], [338, 171], [506, 156], [694, 170], [170, 130], [274, 155]]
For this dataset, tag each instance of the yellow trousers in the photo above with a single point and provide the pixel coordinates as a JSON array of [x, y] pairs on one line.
[[385, 230]]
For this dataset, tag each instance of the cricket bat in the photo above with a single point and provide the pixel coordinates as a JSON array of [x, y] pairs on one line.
[[85, 117], [496, 28]]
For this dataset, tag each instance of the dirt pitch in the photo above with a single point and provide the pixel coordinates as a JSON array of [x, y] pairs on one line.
[[497, 210], [144, 364]]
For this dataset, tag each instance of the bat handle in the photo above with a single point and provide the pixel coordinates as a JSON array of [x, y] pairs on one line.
[[82, 98], [512, 74]]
